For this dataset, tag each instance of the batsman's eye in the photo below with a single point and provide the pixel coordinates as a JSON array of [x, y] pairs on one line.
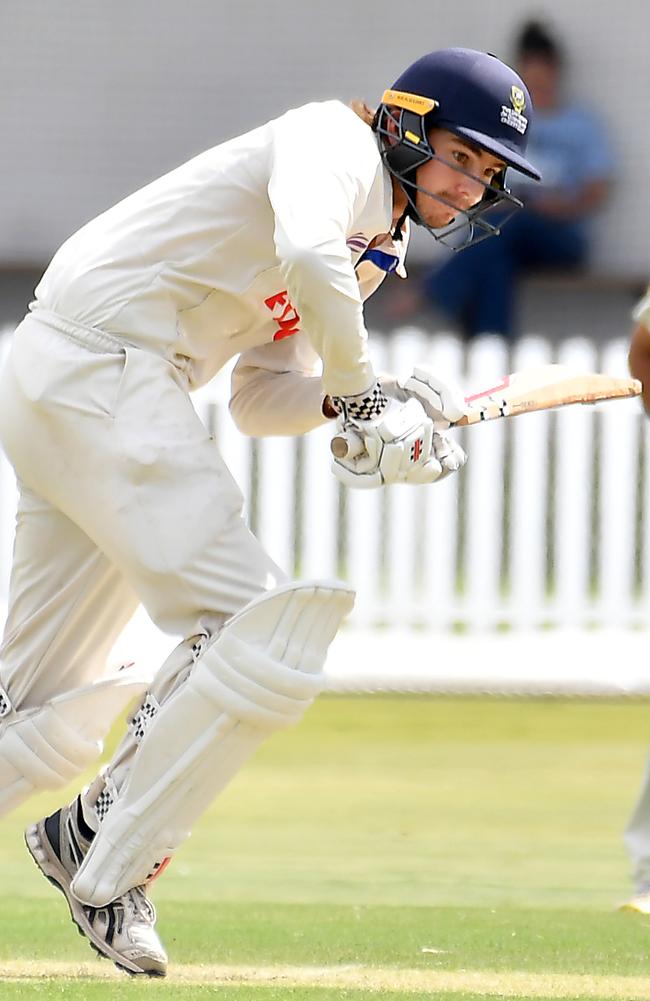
[[491, 173]]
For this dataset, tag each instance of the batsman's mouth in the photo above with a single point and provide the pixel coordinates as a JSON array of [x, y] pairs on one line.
[[442, 208], [439, 216]]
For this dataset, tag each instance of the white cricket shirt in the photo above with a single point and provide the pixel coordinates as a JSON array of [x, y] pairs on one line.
[[248, 249]]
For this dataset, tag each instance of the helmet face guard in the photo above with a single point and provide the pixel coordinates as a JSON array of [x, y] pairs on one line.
[[476, 97], [405, 147]]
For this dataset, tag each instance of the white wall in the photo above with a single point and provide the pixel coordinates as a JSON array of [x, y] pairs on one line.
[[100, 96]]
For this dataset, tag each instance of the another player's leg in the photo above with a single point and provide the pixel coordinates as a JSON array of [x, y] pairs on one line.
[[637, 842], [472, 288]]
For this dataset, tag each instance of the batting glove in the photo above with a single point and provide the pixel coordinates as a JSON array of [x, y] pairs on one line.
[[391, 442], [443, 403]]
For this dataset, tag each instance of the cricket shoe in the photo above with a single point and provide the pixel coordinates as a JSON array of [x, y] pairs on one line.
[[122, 931], [640, 902]]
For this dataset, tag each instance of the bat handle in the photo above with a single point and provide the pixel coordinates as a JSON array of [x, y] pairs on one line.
[[347, 445]]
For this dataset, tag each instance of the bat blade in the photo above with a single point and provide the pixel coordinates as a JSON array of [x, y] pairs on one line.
[[544, 388]]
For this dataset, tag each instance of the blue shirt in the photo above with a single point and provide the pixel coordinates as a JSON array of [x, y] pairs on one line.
[[570, 147]]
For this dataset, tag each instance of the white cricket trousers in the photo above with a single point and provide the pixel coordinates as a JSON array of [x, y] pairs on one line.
[[124, 497]]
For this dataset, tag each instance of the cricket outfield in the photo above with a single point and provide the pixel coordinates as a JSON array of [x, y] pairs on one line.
[[392, 847]]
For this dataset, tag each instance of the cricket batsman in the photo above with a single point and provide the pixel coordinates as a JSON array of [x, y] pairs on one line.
[[263, 248]]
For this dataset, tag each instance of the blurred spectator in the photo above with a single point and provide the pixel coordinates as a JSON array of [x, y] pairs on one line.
[[476, 289]]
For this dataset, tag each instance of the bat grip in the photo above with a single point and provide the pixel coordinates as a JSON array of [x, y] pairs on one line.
[[347, 445]]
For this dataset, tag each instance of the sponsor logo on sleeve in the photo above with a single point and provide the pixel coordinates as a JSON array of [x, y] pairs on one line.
[[284, 313]]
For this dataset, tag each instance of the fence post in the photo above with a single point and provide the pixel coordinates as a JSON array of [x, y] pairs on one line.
[[483, 506], [526, 527], [618, 476]]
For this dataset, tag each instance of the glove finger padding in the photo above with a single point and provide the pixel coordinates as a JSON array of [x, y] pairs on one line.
[[442, 400], [398, 449], [449, 454]]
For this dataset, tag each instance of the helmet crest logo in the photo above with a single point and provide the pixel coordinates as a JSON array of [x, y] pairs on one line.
[[518, 98]]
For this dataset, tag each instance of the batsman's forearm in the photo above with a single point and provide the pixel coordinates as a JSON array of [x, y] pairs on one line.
[[324, 289], [284, 403]]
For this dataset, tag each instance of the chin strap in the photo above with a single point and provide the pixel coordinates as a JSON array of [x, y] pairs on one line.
[[399, 225]]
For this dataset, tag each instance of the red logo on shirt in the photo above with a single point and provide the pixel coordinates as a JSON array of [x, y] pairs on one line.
[[284, 314]]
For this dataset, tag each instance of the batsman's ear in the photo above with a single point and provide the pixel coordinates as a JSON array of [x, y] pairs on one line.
[[392, 120]]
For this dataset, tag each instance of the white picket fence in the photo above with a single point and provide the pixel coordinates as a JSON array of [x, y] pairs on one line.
[[545, 526], [527, 573]]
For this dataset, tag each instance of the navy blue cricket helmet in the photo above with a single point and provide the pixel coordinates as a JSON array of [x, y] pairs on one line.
[[475, 96]]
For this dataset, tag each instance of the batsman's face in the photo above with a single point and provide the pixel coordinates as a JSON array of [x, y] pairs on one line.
[[442, 180]]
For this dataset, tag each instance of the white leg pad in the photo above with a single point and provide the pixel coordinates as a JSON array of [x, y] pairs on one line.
[[260, 673], [46, 747]]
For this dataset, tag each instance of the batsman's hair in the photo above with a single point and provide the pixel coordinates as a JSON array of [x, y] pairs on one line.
[[365, 113]]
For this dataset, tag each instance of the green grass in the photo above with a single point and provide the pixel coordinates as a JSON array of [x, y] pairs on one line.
[[381, 827], [101, 992]]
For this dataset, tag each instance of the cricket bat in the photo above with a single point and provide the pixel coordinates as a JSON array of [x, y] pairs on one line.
[[542, 388]]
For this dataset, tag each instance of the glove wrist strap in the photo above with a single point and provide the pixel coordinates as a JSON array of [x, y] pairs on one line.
[[366, 406]]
